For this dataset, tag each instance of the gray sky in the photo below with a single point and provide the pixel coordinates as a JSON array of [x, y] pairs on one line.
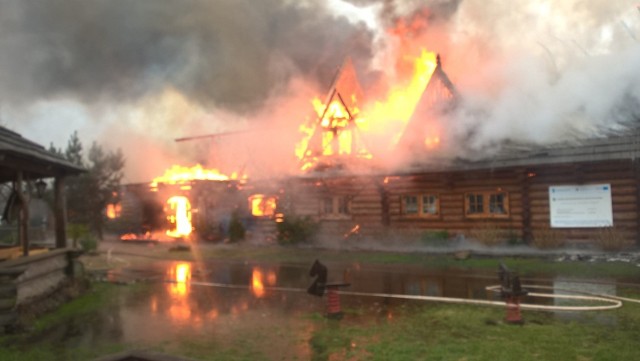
[[137, 74]]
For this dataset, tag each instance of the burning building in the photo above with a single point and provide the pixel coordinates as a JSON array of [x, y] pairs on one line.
[[345, 184]]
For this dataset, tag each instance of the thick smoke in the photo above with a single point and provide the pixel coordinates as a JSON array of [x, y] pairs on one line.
[[146, 72], [152, 70], [544, 71], [229, 54]]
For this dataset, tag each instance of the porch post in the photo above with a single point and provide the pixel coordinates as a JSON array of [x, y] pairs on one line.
[[60, 212], [23, 215]]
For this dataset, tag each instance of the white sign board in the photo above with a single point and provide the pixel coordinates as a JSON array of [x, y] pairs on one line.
[[580, 206]]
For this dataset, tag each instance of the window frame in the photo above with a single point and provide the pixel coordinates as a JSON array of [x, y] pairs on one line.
[[340, 207], [486, 198], [420, 205]]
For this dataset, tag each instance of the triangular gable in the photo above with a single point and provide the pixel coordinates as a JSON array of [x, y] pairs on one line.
[[335, 131], [347, 87], [438, 97]]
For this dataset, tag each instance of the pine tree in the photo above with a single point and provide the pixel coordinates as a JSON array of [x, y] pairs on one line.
[[89, 193], [73, 153]]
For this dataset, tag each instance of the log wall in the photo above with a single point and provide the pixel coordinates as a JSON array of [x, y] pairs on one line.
[[25, 279], [376, 202]]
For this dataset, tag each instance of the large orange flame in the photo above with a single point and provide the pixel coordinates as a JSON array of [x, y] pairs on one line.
[[179, 174], [179, 216], [401, 101], [339, 124]]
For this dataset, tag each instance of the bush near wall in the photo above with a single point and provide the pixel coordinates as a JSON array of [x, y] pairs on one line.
[[237, 230], [548, 238], [488, 234], [82, 236], [294, 230], [611, 239], [435, 238]]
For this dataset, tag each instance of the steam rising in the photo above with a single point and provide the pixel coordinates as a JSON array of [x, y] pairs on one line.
[[143, 73]]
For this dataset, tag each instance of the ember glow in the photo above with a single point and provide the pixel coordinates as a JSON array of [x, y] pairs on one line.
[[147, 236], [113, 210], [431, 143], [179, 216]]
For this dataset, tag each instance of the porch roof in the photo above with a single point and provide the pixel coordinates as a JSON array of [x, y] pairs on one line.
[[20, 154]]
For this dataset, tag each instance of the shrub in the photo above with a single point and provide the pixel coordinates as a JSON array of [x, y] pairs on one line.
[[514, 239], [611, 239], [236, 228], [435, 238], [89, 243], [548, 238], [488, 235], [294, 230], [80, 234]]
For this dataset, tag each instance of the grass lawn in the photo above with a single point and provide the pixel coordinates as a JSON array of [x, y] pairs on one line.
[[448, 332]]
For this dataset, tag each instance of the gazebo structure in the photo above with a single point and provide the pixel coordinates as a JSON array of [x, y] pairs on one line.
[[26, 164]]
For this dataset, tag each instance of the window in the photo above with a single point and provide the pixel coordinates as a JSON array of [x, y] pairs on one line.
[[487, 204], [430, 204], [474, 204], [496, 203], [262, 206], [335, 207], [411, 205], [423, 205]]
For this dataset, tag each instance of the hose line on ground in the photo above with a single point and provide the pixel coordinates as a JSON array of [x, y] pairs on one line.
[[612, 302]]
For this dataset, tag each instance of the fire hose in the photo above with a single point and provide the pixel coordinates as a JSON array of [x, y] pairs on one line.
[[612, 302]]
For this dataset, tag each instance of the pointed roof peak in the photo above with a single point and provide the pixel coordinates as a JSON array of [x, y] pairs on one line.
[[346, 85]]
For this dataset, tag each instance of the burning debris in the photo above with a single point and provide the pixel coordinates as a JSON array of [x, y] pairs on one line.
[[353, 231]]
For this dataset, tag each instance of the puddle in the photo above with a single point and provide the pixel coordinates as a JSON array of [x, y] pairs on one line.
[[220, 301]]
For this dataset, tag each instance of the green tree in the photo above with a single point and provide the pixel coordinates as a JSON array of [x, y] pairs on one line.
[[105, 174], [89, 193], [73, 153]]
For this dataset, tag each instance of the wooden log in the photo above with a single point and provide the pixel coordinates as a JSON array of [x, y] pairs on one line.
[[7, 303], [8, 318], [8, 290], [10, 252]]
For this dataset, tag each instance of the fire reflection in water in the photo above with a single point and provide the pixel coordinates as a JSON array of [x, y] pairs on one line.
[[180, 309], [258, 280], [257, 286]]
